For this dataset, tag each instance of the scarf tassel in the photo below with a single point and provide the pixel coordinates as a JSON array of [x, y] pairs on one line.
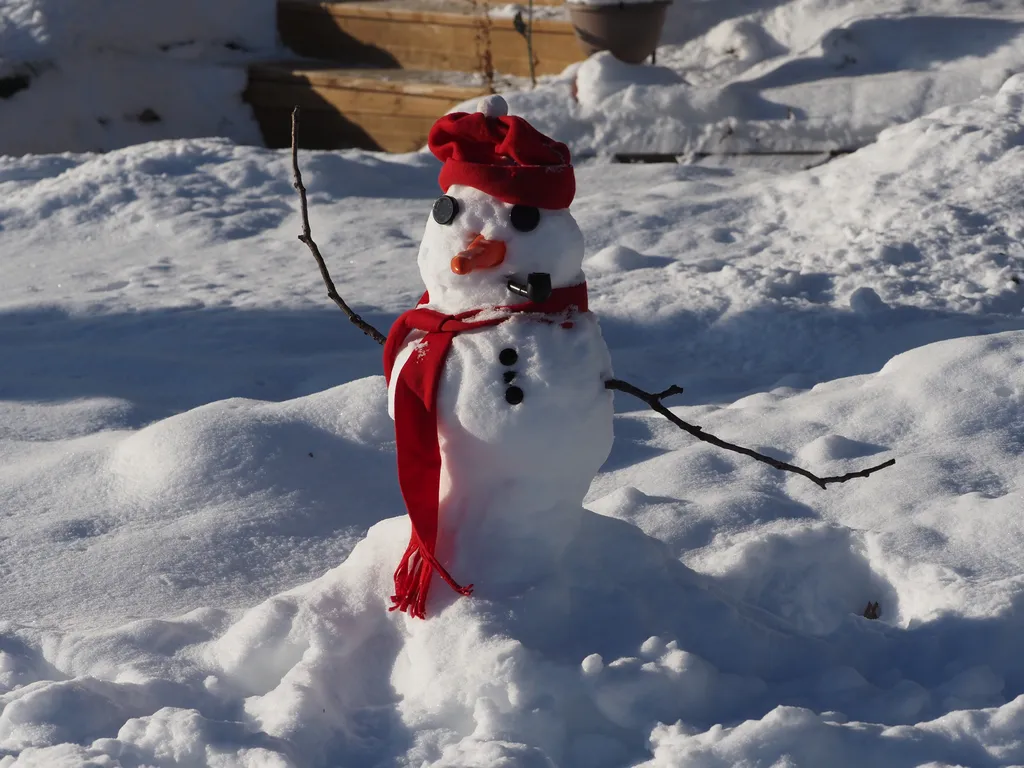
[[412, 580]]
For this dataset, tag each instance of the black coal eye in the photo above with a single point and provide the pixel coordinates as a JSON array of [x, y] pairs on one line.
[[525, 218], [445, 209]]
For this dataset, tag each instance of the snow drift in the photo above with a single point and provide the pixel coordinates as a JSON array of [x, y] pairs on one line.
[[708, 613], [624, 646], [97, 75]]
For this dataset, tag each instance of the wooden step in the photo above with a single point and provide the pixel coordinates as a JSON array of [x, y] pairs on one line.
[[389, 110], [450, 35], [537, 4]]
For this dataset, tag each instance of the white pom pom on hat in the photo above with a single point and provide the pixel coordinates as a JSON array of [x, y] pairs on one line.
[[492, 106]]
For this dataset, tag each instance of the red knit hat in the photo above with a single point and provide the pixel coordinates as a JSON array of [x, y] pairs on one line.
[[504, 156]]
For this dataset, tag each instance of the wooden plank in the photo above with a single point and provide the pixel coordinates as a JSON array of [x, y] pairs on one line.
[[322, 129], [503, 63], [461, 21], [413, 15], [442, 56], [542, 8], [679, 157], [394, 81], [553, 50], [466, 5], [549, 3], [416, 39], [436, 46], [349, 100], [309, 30]]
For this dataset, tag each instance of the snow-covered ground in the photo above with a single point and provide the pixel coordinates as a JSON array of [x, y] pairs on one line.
[[94, 75], [199, 515], [783, 75], [732, 75]]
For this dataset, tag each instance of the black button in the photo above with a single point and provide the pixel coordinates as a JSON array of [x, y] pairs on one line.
[[508, 356], [513, 395], [510, 376], [445, 209]]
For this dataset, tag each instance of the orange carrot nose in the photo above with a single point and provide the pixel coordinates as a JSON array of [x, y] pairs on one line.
[[481, 254]]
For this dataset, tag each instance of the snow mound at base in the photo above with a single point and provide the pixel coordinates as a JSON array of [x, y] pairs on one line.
[[328, 670], [624, 654]]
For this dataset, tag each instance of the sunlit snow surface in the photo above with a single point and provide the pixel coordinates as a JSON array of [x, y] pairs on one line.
[[774, 75], [93, 75], [199, 514], [731, 75]]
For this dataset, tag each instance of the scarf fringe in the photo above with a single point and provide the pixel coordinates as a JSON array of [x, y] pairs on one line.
[[412, 580]]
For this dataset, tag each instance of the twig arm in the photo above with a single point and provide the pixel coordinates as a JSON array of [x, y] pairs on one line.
[[307, 238], [654, 400]]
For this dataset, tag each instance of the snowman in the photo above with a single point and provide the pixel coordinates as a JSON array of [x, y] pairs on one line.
[[496, 378]]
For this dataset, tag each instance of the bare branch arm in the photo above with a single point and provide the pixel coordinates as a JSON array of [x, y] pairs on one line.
[[654, 401], [307, 238]]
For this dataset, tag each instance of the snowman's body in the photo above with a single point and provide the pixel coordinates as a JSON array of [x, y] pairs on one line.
[[514, 474], [522, 416]]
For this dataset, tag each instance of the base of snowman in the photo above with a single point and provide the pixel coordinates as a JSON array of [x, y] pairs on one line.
[[572, 669]]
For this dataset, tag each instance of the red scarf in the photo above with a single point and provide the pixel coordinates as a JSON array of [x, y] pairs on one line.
[[419, 454]]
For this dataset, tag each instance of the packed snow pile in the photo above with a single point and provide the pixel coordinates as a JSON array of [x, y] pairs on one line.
[[193, 578], [40, 29], [803, 75], [94, 76]]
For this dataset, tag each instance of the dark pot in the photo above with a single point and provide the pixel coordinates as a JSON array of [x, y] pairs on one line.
[[629, 30]]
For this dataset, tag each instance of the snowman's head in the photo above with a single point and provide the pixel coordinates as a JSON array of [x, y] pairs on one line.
[[474, 244], [504, 212]]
